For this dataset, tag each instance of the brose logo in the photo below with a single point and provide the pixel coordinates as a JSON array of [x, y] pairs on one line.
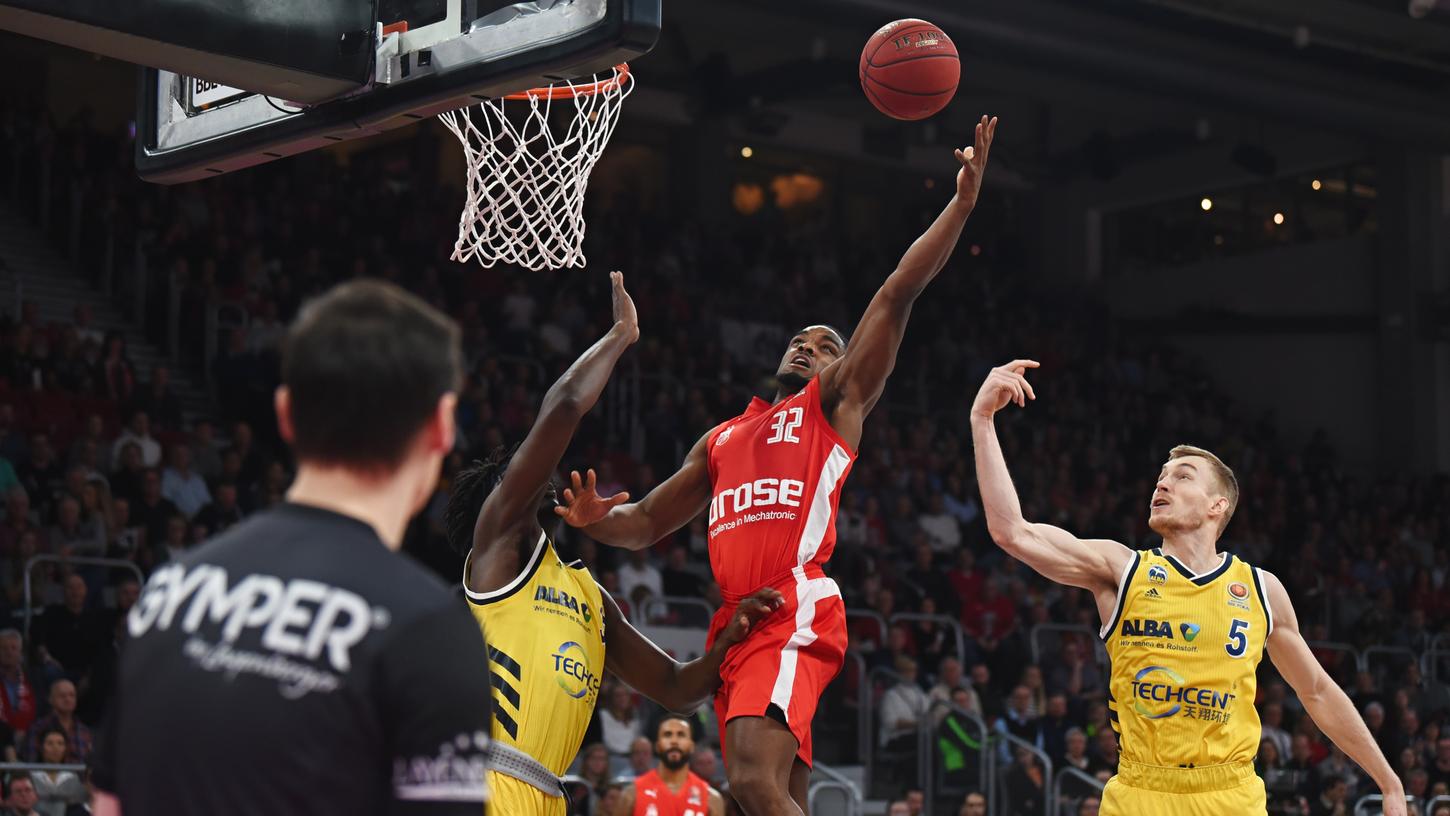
[[759, 493], [1149, 687], [572, 673], [559, 597]]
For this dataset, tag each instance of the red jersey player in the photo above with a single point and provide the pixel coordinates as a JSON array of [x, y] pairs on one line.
[[671, 789], [771, 479]]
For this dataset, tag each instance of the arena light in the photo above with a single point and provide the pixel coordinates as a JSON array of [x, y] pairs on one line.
[[746, 152], [1278, 218], [1315, 184], [1206, 204]]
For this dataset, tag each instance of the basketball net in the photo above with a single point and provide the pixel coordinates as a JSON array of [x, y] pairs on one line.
[[526, 182]]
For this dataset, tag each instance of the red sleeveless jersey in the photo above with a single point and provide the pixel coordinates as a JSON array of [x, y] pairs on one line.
[[652, 797], [776, 473]]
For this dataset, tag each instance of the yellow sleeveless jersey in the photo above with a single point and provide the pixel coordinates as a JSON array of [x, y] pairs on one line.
[[545, 633], [1184, 651]]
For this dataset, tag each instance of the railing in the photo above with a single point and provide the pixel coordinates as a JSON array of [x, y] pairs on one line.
[[1366, 657], [927, 735], [868, 710], [942, 620], [113, 563], [663, 603], [26, 767], [1074, 773], [835, 781], [863, 713], [1047, 804], [1333, 646], [1430, 662], [1034, 635], [1434, 803], [1364, 807]]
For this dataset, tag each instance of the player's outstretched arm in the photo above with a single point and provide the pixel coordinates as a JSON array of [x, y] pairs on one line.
[[1056, 554], [856, 381], [679, 687], [667, 508], [1325, 701]]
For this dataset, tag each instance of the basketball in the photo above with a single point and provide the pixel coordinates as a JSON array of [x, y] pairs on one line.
[[910, 69]]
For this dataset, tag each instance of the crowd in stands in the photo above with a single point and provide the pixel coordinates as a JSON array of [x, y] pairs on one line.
[[98, 459]]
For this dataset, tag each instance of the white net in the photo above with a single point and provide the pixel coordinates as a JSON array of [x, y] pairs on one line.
[[526, 182]]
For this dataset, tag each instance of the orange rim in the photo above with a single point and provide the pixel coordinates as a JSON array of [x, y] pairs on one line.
[[553, 92]]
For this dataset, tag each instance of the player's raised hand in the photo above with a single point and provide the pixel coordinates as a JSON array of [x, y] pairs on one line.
[[582, 505], [751, 611], [974, 161], [626, 319], [1394, 804], [1004, 384]]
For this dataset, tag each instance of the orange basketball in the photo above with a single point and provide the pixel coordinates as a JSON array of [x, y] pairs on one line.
[[910, 69]]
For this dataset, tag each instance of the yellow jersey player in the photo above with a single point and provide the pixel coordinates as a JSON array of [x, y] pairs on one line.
[[547, 620], [1185, 627]]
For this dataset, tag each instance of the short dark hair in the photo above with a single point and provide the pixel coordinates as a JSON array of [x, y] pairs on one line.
[[366, 364], [659, 722], [471, 487]]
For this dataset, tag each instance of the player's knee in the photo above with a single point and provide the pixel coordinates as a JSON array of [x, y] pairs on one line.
[[753, 786]]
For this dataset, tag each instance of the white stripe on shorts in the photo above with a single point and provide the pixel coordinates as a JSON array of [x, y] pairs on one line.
[[808, 591]]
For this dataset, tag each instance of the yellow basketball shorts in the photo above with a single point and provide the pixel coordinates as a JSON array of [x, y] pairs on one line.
[[510, 797], [1217, 790]]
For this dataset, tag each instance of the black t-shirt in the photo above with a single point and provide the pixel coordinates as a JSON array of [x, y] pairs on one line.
[[296, 665]]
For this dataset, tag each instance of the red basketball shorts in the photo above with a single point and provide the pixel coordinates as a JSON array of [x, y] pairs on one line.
[[788, 660]]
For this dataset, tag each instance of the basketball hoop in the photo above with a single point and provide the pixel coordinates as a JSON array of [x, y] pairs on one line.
[[526, 182]]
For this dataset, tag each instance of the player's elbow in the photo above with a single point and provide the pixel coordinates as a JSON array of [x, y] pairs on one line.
[[1012, 537]]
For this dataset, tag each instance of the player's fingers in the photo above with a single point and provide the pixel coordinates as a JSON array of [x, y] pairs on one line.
[[1016, 364], [616, 500], [969, 153], [561, 510], [589, 480], [568, 496], [574, 480], [1027, 385]]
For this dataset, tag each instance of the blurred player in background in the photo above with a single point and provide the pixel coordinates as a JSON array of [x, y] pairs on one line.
[[547, 620], [1185, 628], [771, 479], [671, 788]]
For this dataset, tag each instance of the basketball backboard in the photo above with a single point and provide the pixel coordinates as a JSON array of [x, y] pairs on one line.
[[431, 56]]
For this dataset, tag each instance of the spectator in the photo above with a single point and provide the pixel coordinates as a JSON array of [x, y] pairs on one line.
[[129, 477], [1089, 806], [18, 704], [1417, 784], [72, 535], [153, 511], [21, 799], [926, 576], [117, 372], [639, 572], [1026, 784], [271, 489], [19, 520], [1020, 720], [902, 708], [1273, 721], [949, 680], [1105, 757], [1052, 728], [205, 457], [677, 579], [159, 400], [641, 756], [223, 510], [138, 431], [959, 742], [594, 765], [620, 722], [987, 693], [183, 486], [42, 474], [915, 800], [941, 527], [1332, 799], [898, 807], [1076, 755], [57, 790], [1374, 720], [1439, 770], [975, 804], [62, 717], [705, 763], [69, 634]]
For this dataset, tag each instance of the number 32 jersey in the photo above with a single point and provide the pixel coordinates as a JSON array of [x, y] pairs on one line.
[[1184, 651], [776, 473]]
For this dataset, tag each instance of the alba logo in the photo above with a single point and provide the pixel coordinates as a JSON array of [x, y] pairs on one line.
[[1238, 590], [1149, 628], [559, 597], [759, 493], [1157, 575], [571, 671], [1188, 630]]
